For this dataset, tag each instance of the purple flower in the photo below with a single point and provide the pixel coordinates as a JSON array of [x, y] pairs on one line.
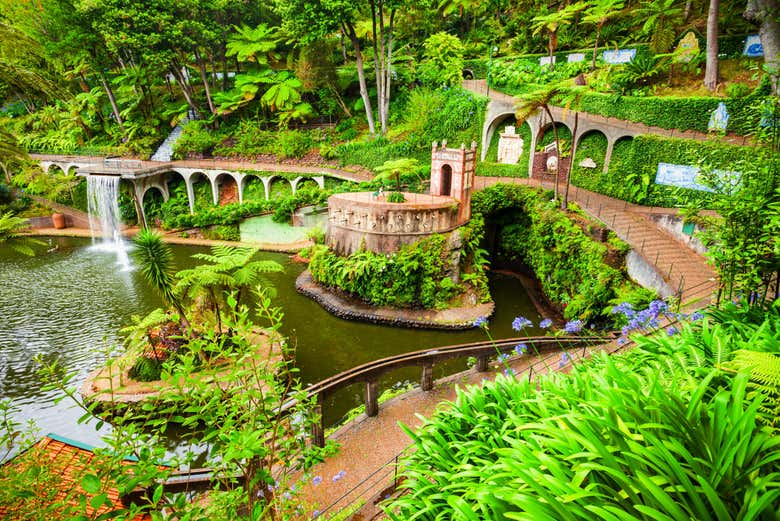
[[564, 360], [544, 324], [317, 480], [315, 514], [657, 307], [287, 495], [575, 326], [509, 372], [520, 323], [671, 331], [624, 308], [480, 322], [621, 341], [503, 357], [520, 349], [696, 315], [339, 475]]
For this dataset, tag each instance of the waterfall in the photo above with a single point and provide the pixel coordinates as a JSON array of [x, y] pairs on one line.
[[105, 221]]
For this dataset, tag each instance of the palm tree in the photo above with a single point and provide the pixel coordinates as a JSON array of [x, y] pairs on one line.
[[12, 233], [230, 268], [156, 261], [599, 14], [552, 22], [567, 95]]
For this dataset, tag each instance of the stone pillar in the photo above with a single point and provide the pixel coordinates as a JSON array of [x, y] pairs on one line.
[[426, 382], [482, 363], [190, 193], [267, 185], [214, 190], [608, 156], [372, 398]]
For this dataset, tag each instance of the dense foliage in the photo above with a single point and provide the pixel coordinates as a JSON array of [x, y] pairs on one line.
[[684, 437], [634, 164], [578, 273], [418, 275]]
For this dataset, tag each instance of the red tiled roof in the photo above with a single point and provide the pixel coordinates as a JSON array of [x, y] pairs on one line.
[[67, 461]]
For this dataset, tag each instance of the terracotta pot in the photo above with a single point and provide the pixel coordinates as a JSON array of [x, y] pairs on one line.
[[58, 220]]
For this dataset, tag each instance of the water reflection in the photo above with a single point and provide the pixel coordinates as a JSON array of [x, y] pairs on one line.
[[70, 304]]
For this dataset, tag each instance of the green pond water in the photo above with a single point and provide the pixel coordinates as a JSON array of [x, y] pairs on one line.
[[70, 303]]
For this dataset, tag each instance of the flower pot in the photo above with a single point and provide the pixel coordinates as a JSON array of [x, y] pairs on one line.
[[58, 220]]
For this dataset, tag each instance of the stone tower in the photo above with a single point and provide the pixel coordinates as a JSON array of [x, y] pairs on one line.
[[452, 175]]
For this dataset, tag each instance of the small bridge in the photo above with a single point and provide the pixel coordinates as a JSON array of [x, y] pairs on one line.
[[147, 175]]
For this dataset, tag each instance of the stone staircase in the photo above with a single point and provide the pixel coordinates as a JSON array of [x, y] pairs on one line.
[[165, 152]]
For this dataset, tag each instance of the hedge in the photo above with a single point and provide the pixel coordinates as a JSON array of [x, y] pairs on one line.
[[634, 164]]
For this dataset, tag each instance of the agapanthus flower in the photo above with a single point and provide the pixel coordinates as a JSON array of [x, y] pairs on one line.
[[574, 326], [520, 323], [520, 349], [480, 322], [544, 324]]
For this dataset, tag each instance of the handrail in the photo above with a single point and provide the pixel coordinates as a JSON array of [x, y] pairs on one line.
[[369, 373]]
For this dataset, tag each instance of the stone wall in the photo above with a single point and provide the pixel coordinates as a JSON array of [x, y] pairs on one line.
[[363, 220], [540, 167]]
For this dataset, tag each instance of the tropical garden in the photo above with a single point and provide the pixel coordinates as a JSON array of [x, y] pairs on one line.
[[679, 423]]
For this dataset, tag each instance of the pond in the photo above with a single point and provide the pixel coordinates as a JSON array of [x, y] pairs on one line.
[[69, 304]]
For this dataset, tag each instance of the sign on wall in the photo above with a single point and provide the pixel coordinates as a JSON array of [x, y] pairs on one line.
[[575, 57], [753, 47], [619, 56], [685, 176], [546, 60]]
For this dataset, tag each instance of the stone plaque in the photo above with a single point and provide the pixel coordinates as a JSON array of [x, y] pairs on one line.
[[619, 56], [719, 119], [687, 48], [575, 57], [588, 162], [546, 60], [753, 47], [510, 146]]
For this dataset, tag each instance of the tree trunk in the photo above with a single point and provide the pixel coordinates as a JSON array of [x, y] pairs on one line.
[[557, 148], [379, 57], [565, 203], [389, 65], [711, 71], [595, 48], [765, 13], [350, 31], [204, 79], [112, 100], [176, 71]]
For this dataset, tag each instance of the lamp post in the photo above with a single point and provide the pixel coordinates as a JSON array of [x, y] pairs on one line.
[[492, 51]]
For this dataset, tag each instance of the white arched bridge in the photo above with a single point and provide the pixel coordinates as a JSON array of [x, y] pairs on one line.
[[148, 175]]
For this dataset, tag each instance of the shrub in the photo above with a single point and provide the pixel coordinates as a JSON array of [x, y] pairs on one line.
[[146, 369], [292, 143], [571, 267], [396, 197], [195, 139], [442, 60]]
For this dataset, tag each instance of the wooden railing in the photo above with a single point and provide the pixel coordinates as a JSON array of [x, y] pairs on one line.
[[370, 373]]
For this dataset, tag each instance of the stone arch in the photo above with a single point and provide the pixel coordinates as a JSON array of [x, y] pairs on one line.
[[278, 182], [496, 127], [193, 179], [445, 180], [467, 74], [304, 181], [225, 188], [490, 130], [251, 186], [173, 180], [590, 134], [149, 195], [611, 143]]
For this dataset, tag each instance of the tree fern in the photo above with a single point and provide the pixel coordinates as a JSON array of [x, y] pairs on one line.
[[764, 372]]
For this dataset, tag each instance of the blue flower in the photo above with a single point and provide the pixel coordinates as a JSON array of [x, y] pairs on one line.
[[520, 323], [671, 331], [480, 322], [317, 480], [564, 360], [657, 307], [315, 514], [503, 357], [621, 341], [339, 475], [696, 315], [575, 326], [624, 308], [520, 349], [544, 324], [287, 495], [510, 372]]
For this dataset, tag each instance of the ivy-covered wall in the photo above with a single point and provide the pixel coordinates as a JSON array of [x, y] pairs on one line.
[[634, 164], [581, 275]]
